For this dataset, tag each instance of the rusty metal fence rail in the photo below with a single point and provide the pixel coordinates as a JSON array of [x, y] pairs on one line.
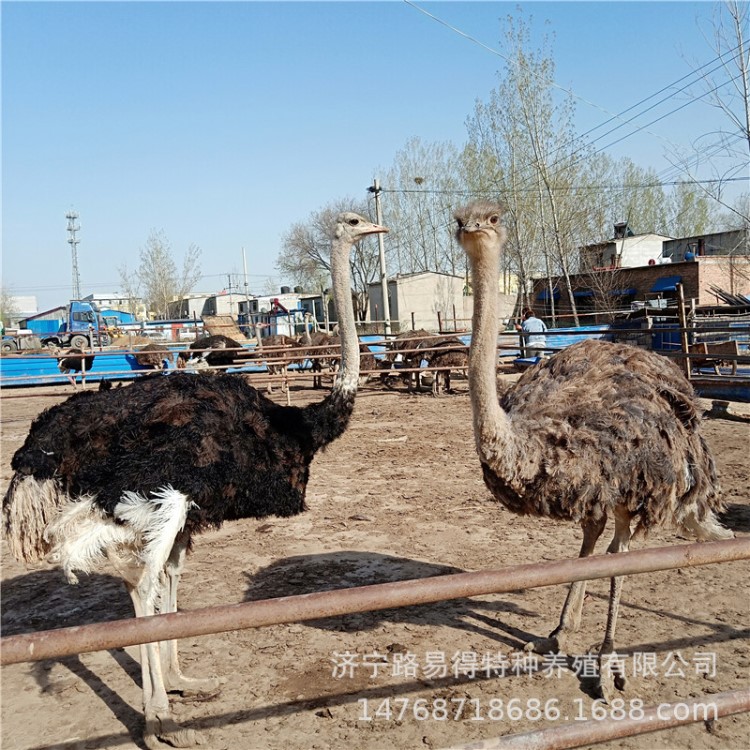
[[119, 633], [654, 719], [67, 641]]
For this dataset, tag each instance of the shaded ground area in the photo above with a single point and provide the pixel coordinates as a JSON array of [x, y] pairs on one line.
[[399, 496]]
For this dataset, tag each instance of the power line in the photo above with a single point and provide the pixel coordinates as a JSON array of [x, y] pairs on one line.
[[634, 186], [695, 73], [570, 92], [668, 87]]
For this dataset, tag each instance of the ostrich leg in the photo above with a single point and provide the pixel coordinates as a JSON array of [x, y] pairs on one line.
[[570, 618], [160, 729], [613, 674], [174, 679]]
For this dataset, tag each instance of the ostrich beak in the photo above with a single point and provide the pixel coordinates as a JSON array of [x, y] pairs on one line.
[[377, 229]]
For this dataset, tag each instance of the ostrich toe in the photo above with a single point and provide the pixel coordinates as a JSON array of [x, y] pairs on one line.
[[204, 688], [161, 732], [611, 676]]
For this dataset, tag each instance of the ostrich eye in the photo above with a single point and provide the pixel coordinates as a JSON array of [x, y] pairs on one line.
[[494, 219], [460, 223], [353, 222]]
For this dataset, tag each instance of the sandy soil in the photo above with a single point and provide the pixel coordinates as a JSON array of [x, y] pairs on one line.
[[399, 496]]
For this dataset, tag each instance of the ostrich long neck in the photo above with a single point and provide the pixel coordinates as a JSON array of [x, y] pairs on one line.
[[348, 376], [491, 424]]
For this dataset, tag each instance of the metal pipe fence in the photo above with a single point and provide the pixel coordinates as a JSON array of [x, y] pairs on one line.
[[593, 731], [117, 634]]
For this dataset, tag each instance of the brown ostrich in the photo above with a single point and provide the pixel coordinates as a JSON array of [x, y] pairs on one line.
[[599, 429], [172, 456], [278, 358], [404, 353], [74, 361], [324, 351], [154, 356], [367, 364]]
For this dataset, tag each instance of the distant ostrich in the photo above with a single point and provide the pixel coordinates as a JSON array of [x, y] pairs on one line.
[[324, 352], [210, 351], [74, 361], [403, 352], [449, 352], [276, 364], [598, 429], [367, 363], [153, 356], [332, 359], [167, 458]]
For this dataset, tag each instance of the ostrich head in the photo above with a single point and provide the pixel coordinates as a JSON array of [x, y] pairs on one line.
[[480, 231], [351, 227]]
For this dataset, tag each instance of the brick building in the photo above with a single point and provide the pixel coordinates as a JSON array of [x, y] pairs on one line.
[[719, 260]]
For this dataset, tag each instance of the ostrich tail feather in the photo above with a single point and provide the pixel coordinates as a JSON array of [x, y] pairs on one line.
[[29, 506]]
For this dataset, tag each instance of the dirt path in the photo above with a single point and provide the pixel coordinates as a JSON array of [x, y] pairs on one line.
[[399, 496]]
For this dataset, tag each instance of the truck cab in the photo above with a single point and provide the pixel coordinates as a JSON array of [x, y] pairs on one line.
[[83, 327]]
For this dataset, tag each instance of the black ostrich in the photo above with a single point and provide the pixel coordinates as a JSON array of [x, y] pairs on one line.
[[74, 361], [211, 351], [448, 352], [166, 458]]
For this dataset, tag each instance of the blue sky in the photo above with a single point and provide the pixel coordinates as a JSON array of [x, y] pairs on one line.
[[221, 124]]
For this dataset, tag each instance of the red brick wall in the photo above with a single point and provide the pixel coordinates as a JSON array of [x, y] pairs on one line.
[[730, 274]]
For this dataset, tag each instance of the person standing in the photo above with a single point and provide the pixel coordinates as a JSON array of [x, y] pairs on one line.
[[532, 331]]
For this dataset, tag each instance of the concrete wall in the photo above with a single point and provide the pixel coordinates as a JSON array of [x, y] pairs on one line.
[[735, 242], [634, 251], [415, 300]]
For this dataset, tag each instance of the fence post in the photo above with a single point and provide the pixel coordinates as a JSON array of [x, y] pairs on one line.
[[683, 331]]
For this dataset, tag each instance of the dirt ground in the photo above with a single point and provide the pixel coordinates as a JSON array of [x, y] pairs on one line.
[[399, 496]]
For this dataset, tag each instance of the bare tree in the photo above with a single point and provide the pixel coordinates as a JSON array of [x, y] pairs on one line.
[[727, 88], [157, 275], [419, 198], [522, 150], [8, 306], [305, 254], [130, 288]]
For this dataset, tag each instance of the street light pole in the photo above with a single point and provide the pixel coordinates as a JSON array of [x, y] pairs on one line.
[[375, 189]]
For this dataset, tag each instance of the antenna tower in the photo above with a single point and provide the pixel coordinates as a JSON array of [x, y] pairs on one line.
[[73, 241]]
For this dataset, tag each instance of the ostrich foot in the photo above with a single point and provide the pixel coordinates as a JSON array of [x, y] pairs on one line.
[[554, 643], [608, 684], [611, 676], [161, 731], [176, 682]]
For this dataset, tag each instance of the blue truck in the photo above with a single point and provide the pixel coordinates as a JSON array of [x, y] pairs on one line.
[[82, 328]]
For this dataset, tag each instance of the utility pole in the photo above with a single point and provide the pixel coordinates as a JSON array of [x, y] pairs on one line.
[[71, 216], [376, 190], [247, 294], [229, 289]]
